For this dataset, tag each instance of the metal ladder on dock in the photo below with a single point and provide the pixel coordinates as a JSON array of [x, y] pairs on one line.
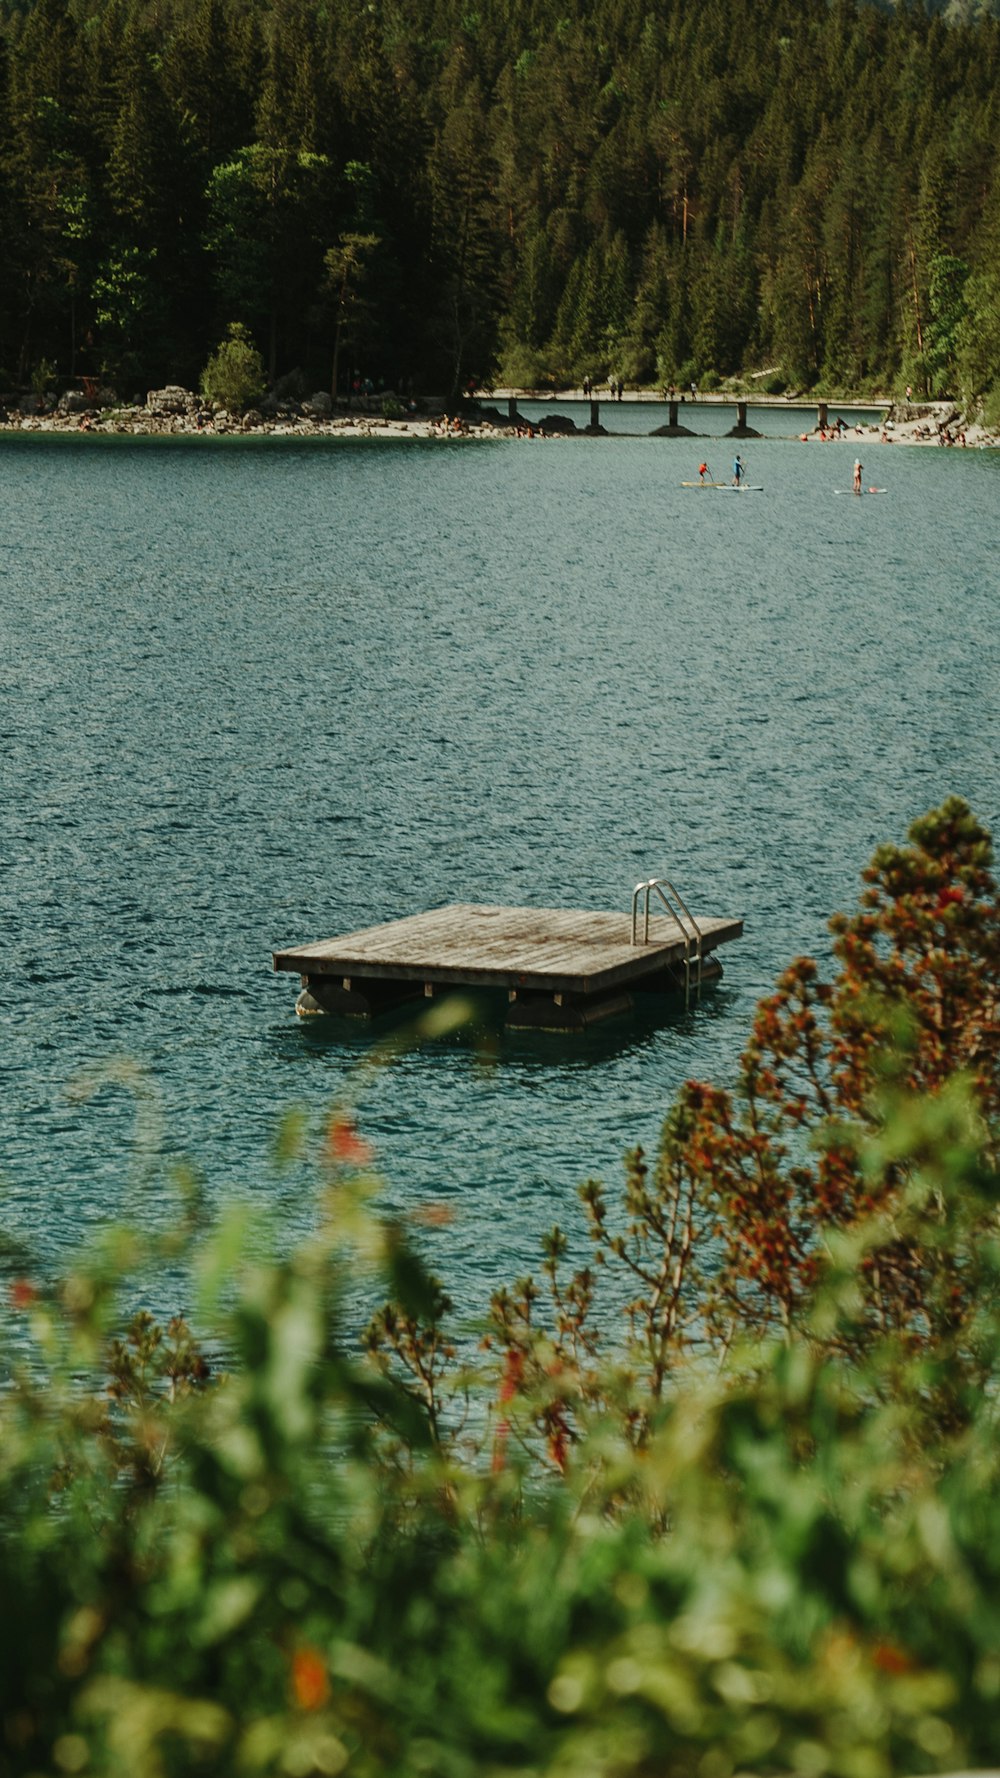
[[679, 912]]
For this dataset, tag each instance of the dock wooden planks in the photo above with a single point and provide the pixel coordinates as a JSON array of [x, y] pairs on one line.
[[529, 951]]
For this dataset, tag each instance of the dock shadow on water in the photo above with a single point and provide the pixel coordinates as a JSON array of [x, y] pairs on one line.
[[475, 1024]]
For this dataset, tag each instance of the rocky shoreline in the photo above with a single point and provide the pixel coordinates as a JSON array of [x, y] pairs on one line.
[[917, 423], [174, 411]]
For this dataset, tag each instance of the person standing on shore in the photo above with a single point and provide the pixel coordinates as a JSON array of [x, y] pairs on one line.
[[857, 475]]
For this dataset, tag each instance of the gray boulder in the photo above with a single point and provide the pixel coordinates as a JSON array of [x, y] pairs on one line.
[[171, 400]]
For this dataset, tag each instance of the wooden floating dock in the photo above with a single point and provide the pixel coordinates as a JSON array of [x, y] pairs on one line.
[[562, 970]]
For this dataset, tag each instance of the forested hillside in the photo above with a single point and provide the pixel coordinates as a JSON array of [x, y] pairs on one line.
[[536, 191]]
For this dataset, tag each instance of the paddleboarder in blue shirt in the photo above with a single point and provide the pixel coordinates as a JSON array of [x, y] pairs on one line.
[[738, 467]]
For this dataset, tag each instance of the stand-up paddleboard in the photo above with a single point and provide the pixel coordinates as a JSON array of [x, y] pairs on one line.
[[704, 484], [861, 491], [744, 488]]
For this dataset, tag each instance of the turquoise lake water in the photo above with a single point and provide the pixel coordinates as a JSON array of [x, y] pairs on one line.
[[260, 692]]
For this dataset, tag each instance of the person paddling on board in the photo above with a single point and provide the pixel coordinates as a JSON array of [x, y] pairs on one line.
[[857, 475], [738, 468], [703, 470]]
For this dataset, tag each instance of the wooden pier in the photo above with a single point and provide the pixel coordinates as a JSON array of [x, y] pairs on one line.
[[562, 970]]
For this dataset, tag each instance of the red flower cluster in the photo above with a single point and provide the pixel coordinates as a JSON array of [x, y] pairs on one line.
[[310, 1680], [344, 1145]]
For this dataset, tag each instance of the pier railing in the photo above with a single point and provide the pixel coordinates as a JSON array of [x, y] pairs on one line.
[[675, 905]]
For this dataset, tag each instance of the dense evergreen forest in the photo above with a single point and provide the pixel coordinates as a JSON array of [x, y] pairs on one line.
[[425, 193]]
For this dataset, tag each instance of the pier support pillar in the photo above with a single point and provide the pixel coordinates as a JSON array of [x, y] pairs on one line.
[[672, 413], [351, 998], [512, 413], [822, 416], [741, 413], [534, 1011], [595, 413]]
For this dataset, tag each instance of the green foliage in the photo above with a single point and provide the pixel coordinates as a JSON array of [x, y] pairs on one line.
[[948, 311], [42, 376], [234, 375], [127, 308], [263, 232], [583, 1547], [346, 265], [522, 368], [991, 408], [629, 193]]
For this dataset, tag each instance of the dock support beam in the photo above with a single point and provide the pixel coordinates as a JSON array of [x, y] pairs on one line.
[[512, 413], [534, 1011], [741, 414], [822, 416], [595, 413], [672, 409], [350, 997]]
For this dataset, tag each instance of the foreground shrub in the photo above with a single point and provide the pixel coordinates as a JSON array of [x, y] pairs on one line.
[[284, 1570], [756, 1198]]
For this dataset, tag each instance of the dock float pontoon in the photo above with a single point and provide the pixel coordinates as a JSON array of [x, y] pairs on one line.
[[562, 969]]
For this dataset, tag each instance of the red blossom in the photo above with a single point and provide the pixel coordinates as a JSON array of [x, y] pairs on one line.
[[433, 1216], [889, 1658], [310, 1681], [558, 1446], [513, 1372], [500, 1447], [344, 1145]]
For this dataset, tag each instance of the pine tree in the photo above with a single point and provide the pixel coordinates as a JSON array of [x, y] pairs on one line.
[[464, 241]]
